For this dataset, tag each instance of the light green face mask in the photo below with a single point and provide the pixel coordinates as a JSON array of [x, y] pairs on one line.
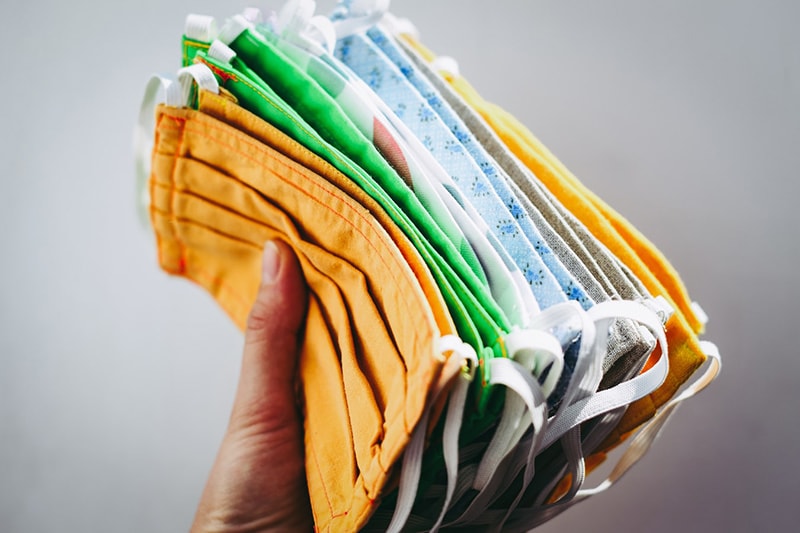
[[479, 319], [412, 160]]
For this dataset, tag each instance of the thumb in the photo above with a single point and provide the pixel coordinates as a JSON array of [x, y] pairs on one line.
[[266, 392], [258, 479]]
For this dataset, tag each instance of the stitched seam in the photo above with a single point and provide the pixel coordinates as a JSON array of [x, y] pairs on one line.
[[358, 213], [201, 274], [334, 193], [172, 201], [301, 126], [324, 486], [396, 218], [331, 192]]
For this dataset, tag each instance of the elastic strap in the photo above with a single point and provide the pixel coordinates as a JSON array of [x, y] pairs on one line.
[[446, 65], [452, 428], [412, 456], [361, 17], [200, 28], [253, 15], [294, 16], [155, 92], [398, 26], [180, 93], [233, 28], [526, 519], [661, 307], [534, 351], [626, 392], [518, 380], [645, 438], [700, 313], [221, 52]]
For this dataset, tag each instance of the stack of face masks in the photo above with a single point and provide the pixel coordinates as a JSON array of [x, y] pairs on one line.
[[482, 329]]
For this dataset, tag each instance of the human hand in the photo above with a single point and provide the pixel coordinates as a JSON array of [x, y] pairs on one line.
[[258, 480]]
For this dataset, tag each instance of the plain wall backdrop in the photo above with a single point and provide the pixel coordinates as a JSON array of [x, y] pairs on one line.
[[116, 380]]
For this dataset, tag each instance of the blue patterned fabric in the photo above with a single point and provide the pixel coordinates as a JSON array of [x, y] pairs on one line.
[[495, 174], [479, 180]]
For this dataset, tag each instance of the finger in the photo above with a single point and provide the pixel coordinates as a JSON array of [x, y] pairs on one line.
[[266, 392]]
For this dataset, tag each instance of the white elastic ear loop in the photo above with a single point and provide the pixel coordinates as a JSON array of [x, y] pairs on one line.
[[644, 439], [200, 28], [454, 418], [314, 34], [661, 307], [221, 52], [534, 351], [180, 92], [551, 318], [590, 353], [445, 65], [557, 427], [412, 456], [518, 380], [294, 16], [320, 28], [585, 378], [253, 15], [626, 392], [155, 92], [699, 313], [362, 15], [398, 26], [639, 445], [233, 27], [538, 350]]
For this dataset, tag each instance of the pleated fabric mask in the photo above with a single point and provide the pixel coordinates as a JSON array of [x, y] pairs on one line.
[[387, 354]]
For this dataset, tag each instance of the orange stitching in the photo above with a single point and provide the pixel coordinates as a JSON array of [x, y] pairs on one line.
[[260, 149], [201, 273], [300, 125], [197, 274], [223, 74], [173, 197], [324, 487], [331, 192]]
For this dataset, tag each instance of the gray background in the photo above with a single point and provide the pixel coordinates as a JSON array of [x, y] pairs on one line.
[[116, 380]]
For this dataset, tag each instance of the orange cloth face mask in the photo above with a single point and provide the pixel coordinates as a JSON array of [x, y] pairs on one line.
[[370, 358]]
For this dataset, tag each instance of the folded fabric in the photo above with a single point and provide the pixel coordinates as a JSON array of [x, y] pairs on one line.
[[375, 404], [440, 242], [686, 353]]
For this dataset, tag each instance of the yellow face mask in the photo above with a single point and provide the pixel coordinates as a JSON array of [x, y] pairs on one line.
[[370, 358]]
